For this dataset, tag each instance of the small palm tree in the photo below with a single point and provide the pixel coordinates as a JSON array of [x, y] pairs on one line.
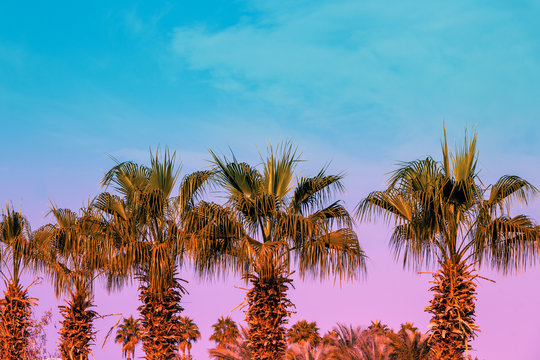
[[409, 344], [444, 214], [304, 332], [16, 306], [129, 335], [329, 337], [379, 328], [225, 331], [306, 351], [237, 350], [189, 334], [272, 216], [355, 343]]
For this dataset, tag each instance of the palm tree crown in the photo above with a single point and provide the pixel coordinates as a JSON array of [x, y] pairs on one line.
[[16, 306], [15, 238], [273, 214], [304, 332], [225, 331]]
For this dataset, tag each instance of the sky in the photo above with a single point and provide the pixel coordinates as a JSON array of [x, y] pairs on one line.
[[358, 85]]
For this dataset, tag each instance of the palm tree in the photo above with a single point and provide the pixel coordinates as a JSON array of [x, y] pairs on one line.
[[237, 350], [355, 343], [129, 335], [329, 337], [444, 213], [189, 333], [306, 351], [379, 328], [225, 331], [146, 241], [16, 306], [409, 344], [271, 216], [69, 251], [304, 332]]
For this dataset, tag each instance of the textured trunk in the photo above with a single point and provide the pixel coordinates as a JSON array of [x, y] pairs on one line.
[[453, 309], [76, 334], [160, 321], [15, 311], [268, 312]]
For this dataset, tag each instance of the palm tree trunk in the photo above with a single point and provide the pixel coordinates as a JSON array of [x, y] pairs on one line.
[[160, 321], [268, 312], [453, 309], [76, 334], [15, 311]]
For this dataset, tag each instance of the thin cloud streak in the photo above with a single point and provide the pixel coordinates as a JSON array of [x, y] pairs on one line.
[[371, 57]]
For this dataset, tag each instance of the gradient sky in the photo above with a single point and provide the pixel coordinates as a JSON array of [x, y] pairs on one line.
[[357, 84]]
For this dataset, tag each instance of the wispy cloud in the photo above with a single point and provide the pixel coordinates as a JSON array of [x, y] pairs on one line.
[[140, 22], [381, 58]]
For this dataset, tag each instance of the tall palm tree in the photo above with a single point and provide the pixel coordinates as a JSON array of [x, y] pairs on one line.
[[16, 306], [189, 333], [443, 213], [304, 332], [70, 254], [271, 216], [129, 335], [225, 331], [145, 224]]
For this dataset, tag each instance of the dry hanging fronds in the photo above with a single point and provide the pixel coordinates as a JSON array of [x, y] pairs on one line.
[[160, 315], [15, 311], [453, 309], [76, 334], [267, 314]]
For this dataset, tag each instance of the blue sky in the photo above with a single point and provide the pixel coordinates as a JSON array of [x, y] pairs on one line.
[[360, 84]]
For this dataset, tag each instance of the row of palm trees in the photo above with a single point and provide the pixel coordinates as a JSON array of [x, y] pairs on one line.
[[341, 343], [148, 222], [129, 334], [304, 341]]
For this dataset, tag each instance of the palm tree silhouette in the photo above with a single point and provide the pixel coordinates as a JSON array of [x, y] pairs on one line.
[[271, 216], [443, 213], [129, 335]]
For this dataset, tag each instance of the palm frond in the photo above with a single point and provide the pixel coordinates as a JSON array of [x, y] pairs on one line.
[[390, 204], [163, 172], [337, 254], [279, 169], [191, 187], [312, 192], [509, 188], [236, 177], [507, 243]]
